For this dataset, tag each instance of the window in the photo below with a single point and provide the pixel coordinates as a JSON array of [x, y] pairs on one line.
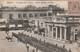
[[0, 15], [19, 16], [50, 27], [24, 15], [30, 15], [54, 29], [43, 14], [76, 30], [36, 15], [10, 16], [49, 14], [58, 32], [54, 32]]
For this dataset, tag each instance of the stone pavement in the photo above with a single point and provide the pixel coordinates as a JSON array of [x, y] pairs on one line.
[[14, 46], [6, 46]]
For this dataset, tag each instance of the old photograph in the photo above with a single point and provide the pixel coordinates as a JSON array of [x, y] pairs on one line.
[[39, 26]]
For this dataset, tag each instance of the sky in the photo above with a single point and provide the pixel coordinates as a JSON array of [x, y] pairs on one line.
[[23, 3]]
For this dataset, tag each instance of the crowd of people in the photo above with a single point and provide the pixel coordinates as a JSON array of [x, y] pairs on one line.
[[42, 45]]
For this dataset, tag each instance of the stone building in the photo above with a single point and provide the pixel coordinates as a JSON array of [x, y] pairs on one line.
[[64, 27], [30, 13], [35, 15]]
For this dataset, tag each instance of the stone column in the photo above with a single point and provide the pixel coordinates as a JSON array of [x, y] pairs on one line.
[[60, 33], [22, 16], [28, 16], [74, 36], [65, 30], [46, 30], [56, 33]]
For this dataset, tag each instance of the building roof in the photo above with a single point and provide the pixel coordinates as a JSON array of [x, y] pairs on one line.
[[32, 8]]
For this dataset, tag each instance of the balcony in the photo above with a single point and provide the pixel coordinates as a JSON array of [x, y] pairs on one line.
[[59, 20], [73, 20], [66, 20]]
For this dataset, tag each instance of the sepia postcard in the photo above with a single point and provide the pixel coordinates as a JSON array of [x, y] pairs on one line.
[[39, 26]]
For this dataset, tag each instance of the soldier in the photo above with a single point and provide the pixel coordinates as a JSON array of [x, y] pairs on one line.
[[27, 47]]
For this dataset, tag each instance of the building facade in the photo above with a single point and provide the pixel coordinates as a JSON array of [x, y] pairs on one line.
[[64, 27], [59, 27], [28, 13]]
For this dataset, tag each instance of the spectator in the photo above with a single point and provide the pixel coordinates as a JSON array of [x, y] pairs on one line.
[[56, 45], [33, 50], [70, 50], [63, 46], [27, 48]]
